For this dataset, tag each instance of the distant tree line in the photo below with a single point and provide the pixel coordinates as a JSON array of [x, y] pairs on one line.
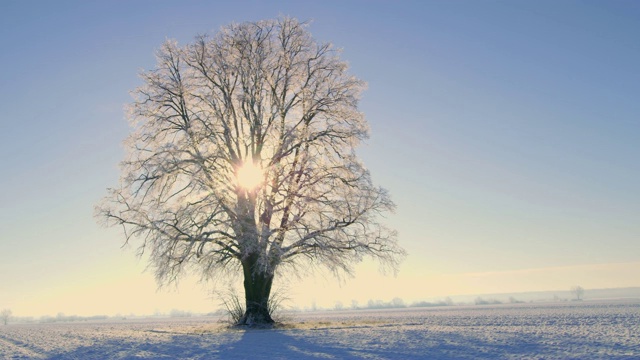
[[395, 303]]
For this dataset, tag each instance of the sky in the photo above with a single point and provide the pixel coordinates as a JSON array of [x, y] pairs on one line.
[[507, 133]]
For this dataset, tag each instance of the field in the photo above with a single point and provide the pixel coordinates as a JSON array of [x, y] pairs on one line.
[[570, 330]]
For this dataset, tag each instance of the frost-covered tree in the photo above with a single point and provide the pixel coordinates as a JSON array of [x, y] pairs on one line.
[[5, 315], [242, 160]]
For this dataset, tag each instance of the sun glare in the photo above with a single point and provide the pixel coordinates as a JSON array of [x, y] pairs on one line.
[[250, 175]]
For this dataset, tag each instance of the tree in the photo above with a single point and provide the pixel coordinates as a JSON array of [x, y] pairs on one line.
[[578, 292], [5, 315], [397, 303], [242, 160]]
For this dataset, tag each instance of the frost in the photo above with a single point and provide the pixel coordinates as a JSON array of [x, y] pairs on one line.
[[585, 330], [242, 162]]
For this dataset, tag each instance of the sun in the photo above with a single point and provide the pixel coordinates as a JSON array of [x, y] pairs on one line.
[[250, 175]]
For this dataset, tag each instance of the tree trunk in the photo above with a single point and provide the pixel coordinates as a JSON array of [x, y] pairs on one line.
[[257, 289]]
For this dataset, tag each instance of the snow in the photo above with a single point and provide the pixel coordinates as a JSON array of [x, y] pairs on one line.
[[580, 330]]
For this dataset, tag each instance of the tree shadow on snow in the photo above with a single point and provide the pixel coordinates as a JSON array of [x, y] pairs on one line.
[[318, 344], [414, 344], [233, 344]]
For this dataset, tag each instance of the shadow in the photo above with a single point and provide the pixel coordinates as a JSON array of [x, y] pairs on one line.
[[297, 344], [350, 344], [177, 347], [338, 343]]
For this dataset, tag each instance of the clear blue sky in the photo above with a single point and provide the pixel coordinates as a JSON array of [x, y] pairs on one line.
[[508, 133]]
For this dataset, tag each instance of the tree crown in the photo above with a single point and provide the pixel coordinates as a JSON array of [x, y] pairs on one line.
[[263, 96]]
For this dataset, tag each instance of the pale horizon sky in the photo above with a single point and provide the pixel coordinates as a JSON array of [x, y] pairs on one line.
[[507, 133]]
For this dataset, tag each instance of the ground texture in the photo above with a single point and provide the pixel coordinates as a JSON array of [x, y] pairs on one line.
[[587, 330]]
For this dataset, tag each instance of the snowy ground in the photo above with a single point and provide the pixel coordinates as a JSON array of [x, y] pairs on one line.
[[588, 330]]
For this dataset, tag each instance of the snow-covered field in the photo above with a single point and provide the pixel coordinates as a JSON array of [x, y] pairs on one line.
[[586, 330]]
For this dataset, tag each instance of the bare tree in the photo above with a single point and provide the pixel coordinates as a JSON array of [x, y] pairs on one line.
[[5, 315], [242, 160], [397, 303], [578, 292]]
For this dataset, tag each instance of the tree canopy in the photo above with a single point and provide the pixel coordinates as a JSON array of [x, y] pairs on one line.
[[242, 160]]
